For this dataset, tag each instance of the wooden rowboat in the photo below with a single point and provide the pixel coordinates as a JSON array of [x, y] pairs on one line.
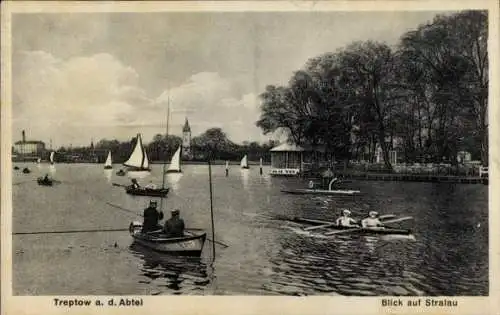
[[320, 192], [355, 230], [143, 191], [189, 245]]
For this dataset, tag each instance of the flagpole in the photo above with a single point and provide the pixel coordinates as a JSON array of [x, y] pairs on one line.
[[211, 208]]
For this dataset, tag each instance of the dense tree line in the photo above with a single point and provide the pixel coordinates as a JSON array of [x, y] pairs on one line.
[[213, 142], [430, 93]]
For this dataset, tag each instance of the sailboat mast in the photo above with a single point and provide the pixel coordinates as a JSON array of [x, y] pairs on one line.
[[166, 147]]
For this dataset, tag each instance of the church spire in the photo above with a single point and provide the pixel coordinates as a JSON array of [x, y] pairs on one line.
[[186, 127]]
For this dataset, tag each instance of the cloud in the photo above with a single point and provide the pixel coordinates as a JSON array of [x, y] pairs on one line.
[[209, 100], [76, 96], [97, 96]]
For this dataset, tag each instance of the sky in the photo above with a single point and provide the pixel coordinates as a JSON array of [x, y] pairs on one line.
[[83, 76]]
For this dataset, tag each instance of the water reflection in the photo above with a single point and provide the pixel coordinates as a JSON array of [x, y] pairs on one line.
[[172, 274], [173, 180], [138, 174], [245, 178], [108, 174], [52, 169]]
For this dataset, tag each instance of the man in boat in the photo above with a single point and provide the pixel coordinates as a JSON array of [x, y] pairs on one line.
[[174, 227], [151, 218], [135, 184], [372, 220], [346, 220], [150, 185]]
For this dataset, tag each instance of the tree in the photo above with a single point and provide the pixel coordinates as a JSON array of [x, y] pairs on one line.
[[447, 72]]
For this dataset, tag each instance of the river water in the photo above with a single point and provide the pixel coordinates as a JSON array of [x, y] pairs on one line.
[[446, 255]]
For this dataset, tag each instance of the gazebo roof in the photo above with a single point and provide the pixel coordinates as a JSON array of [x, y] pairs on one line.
[[291, 147]]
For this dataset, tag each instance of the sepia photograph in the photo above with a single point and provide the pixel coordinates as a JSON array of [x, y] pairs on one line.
[[301, 152]]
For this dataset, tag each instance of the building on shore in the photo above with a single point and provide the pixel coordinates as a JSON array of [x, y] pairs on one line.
[[291, 159], [28, 149]]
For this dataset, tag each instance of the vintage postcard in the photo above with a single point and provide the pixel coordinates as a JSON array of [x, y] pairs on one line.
[[269, 157]]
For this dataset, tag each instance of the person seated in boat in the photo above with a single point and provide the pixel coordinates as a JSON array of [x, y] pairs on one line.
[[46, 178], [311, 184], [372, 220], [150, 185], [346, 220], [174, 227], [135, 184], [151, 218]]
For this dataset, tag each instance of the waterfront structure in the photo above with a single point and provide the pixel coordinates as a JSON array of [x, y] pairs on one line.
[[29, 148], [290, 159], [186, 141]]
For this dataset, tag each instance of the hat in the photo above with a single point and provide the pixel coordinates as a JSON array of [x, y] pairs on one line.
[[153, 203], [373, 213], [175, 212], [346, 211]]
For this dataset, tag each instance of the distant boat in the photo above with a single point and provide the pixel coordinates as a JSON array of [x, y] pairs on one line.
[[38, 161], [175, 163], [138, 160], [244, 162], [52, 157], [108, 164]]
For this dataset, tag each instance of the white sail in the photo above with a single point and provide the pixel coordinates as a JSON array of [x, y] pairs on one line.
[[52, 157], [108, 162], [244, 162], [138, 159], [38, 160], [175, 163]]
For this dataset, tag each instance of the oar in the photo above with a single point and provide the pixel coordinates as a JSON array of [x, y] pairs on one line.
[[358, 229], [70, 231], [119, 185]]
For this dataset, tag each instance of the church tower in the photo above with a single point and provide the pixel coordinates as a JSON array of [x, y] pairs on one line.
[[186, 140]]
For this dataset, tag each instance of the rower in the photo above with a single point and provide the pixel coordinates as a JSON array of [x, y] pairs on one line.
[[345, 219], [150, 185], [372, 220], [135, 184], [174, 227], [151, 218]]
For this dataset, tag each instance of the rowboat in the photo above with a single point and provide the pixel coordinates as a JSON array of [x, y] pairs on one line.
[[330, 191], [355, 230], [320, 192], [189, 245], [26, 170], [120, 173], [143, 191]]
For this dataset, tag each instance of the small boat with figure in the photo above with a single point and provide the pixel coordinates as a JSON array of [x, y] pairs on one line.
[[191, 244], [315, 191], [26, 170], [120, 173], [16, 167], [146, 191], [45, 181]]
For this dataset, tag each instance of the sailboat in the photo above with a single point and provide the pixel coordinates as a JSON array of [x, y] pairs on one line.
[[175, 163], [244, 162], [52, 157], [108, 164], [138, 160]]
